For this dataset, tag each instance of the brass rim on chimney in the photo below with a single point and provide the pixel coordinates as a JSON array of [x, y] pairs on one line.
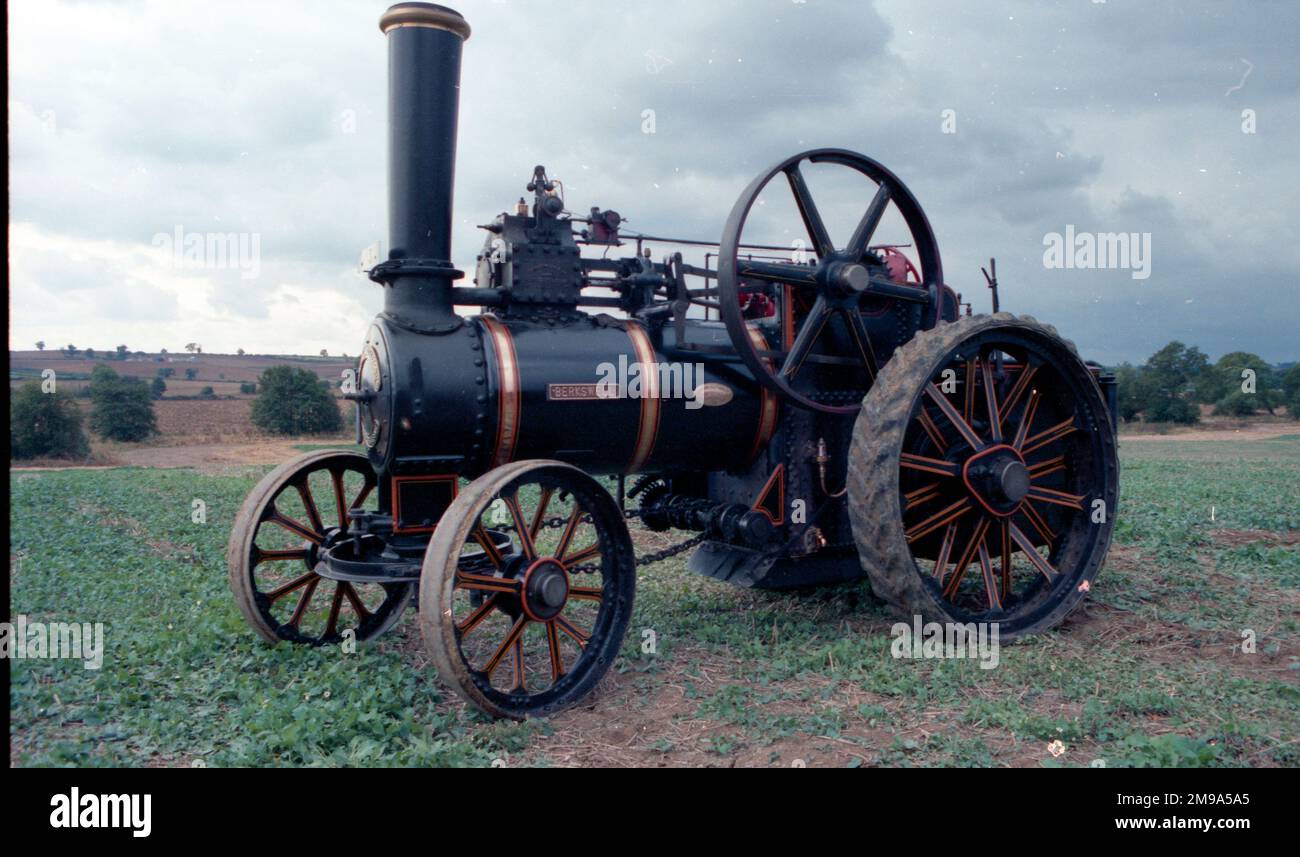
[[424, 15]]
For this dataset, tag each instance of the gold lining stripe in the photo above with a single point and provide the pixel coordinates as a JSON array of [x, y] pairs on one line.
[[769, 406], [777, 481], [508, 394], [651, 404]]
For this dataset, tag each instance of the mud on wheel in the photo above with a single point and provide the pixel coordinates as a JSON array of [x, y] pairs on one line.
[[983, 476], [527, 588], [297, 511]]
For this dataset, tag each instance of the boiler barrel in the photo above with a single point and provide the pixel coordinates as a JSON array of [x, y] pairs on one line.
[[602, 397]]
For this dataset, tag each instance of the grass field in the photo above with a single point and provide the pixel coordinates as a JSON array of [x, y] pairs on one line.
[[1150, 671]]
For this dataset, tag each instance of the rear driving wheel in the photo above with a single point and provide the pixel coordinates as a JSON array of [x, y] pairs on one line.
[[983, 476], [527, 627]]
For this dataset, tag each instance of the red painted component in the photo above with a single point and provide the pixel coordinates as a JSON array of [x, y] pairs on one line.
[[900, 268], [757, 306]]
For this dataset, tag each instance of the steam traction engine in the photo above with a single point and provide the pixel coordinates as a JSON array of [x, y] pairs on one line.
[[842, 419]]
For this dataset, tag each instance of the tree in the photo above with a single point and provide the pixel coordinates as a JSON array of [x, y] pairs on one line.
[[122, 352], [70, 350], [1245, 378], [40, 345], [207, 393], [324, 353], [1171, 375], [45, 424], [1132, 392], [292, 401], [192, 347], [166, 372], [191, 374], [239, 351], [1291, 391], [157, 386], [121, 408], [90, 354], [248, 388], [162, 351]]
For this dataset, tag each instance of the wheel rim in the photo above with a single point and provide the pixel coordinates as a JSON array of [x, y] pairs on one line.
[[528, 628], [295, 513], [1000, 473], [821, 307]]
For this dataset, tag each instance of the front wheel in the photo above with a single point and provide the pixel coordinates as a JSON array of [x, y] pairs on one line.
[[527, 588], [297, 511], [983, 476]]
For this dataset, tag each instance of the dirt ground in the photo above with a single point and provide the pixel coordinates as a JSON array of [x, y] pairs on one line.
[[1212, 431]]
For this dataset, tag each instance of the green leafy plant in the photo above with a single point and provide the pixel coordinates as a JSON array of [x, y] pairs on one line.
[[121, 408], [293, 401], [45, 425]]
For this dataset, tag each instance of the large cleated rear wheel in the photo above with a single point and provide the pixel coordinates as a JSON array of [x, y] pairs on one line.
[[983, 476], [527, 589]]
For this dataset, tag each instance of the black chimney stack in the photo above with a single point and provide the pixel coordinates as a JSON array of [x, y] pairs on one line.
[[424, 47]]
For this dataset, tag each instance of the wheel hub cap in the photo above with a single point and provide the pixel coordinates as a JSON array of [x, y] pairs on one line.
[[545, 589], [998, 478]]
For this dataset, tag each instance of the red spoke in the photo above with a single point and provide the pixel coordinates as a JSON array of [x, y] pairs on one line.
[[569, 529], [473, 620], [506, 645], [484, 539], [1059, 498], [991, 401], [350, 593], [539, 517], [485, 583], [945, 407], [990, 586], [1047, 468], [1026, 420], [274, 516], [945, 552], [959, 570], [586, 593], [300, 610], [517, 667], [1018, 390], [1028, 547], [313, 515], [938, 519], [521, 526], [579, 637], [295, 584], [260, 556], [337, 604], [968, 411], [1005, 527], [922, 495], [579, 556], [1036, 518], [336, 476], [557, 657], [928, 465], [364, 493], [1050, 435], [927, 423]]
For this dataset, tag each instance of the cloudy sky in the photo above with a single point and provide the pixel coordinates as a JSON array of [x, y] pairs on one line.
[[1010, 121]]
